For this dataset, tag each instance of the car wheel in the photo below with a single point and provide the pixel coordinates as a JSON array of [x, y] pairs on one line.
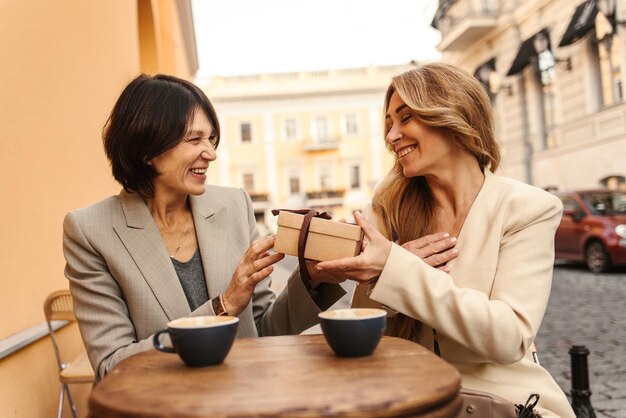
[[597, 258]]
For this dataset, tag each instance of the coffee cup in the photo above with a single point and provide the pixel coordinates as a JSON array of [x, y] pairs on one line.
[[199, 340], [353, 332]]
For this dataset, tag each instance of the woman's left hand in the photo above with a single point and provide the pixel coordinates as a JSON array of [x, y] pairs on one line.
[[255, 265], [368, 265]]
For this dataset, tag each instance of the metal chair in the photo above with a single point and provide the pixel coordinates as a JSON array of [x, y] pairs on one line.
[[59, 307]]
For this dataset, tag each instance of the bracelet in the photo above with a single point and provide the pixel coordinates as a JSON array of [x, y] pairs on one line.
[[218, 306]]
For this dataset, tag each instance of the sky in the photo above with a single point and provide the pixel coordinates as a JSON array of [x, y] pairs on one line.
[[236, 37]]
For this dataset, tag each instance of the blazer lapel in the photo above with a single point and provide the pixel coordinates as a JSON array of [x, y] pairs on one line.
[[210, 222], [142, 239]]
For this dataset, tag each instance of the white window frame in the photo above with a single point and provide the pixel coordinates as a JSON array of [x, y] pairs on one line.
[[296, 129], [294, 173], [350, 165], [252, 170], [315, 129], [239, 132], [320, 168], [344, 124]]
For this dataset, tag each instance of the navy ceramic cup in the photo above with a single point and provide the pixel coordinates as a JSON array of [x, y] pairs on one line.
[[200, 340], [353, 332]]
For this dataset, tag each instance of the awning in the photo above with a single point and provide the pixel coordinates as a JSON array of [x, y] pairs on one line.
[[525, 53], [583, 21]]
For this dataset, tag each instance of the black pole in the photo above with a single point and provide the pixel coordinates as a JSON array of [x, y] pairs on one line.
[[581, 394]]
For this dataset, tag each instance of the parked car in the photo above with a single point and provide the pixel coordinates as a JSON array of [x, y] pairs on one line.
[[593, 228]]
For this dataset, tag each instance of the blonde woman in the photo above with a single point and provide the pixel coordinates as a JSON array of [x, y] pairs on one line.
[[481, 310]]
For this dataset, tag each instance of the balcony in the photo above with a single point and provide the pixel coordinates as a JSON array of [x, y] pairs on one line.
[[314, 144], [463, 22], [323, 198]]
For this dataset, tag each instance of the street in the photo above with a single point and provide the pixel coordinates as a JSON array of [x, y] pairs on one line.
[[584, 309], [588, 309]]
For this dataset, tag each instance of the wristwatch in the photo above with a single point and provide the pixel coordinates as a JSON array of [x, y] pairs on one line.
[[218, 306]]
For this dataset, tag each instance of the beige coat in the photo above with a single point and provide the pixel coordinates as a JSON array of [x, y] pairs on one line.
[[125, 287], [488, 309]]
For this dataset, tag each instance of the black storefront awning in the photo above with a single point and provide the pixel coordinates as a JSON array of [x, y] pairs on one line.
[[525, 54], [583, 21]]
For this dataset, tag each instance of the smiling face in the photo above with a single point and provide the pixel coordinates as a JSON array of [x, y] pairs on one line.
[[182, 169], [419, 148]]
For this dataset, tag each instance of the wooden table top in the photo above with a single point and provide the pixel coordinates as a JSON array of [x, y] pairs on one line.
[[288, 376]]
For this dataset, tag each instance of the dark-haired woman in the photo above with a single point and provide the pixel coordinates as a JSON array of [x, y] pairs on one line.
[[168, 245]]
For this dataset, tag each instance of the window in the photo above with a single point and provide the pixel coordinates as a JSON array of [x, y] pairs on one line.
[[614, 182], [325, 177], [546, 75], [290, 129], [321, 129], [351, 126], [355, 177], [248, 182], [569, 204], [294, 184], [246, 132], [609, 51], [293, 175]]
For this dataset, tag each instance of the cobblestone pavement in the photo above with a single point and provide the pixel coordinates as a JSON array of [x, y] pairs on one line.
[[588, 309], [584, 309]]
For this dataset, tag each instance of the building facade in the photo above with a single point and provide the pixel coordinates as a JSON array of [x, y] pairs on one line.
[[306, 139], [555, 70]]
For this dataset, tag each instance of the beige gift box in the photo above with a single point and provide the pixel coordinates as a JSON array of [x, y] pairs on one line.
[[327, 240]]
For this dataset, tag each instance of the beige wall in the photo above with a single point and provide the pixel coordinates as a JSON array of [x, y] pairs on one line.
[[62, 65]]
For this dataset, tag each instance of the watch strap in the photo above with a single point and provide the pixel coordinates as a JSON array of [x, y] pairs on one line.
[[218, 306]]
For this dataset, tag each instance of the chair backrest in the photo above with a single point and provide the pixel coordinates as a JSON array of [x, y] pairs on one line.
[[58, 307]]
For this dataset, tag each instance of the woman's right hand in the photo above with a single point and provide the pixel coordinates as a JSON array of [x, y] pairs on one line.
[[434, 249], [254, 266]]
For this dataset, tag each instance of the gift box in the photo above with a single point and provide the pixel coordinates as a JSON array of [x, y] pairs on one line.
[[327, 240]]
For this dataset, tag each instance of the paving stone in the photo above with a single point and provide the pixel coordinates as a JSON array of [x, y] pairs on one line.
[[588, 309]]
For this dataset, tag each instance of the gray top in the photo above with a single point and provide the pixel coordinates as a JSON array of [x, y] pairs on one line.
[[191, 276]]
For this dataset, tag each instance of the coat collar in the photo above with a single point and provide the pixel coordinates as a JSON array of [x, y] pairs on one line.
[[142, 239]]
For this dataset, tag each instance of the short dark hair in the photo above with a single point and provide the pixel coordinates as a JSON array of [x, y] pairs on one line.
[[151, 116]]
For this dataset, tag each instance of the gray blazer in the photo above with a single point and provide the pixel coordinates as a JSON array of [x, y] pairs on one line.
[[125, 287]]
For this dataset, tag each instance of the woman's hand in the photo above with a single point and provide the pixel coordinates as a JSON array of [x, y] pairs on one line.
[[254, 266], [319, 276], [435, 249], [369, 264]]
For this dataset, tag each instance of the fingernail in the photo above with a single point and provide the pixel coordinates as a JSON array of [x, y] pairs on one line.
[[446, 235], [357, 213], [453, 240], [455, 251]]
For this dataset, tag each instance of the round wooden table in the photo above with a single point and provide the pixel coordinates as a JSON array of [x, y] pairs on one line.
[[290, 376]]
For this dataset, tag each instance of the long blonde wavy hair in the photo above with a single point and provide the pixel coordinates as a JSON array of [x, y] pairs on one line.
[[447, 98]]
